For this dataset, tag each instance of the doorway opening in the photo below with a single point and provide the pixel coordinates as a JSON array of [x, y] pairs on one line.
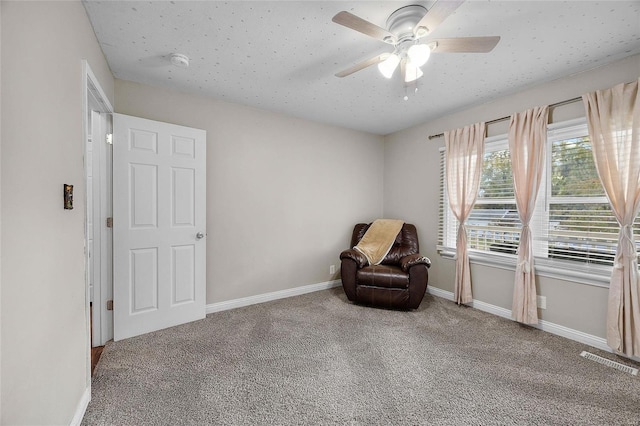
[[97, 119]]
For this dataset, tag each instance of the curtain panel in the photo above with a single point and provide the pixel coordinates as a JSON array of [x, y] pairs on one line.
[[464, 156], [527, 141], [614, 128]]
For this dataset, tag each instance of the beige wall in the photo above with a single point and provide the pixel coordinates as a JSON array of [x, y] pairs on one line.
[[283, 193], [412, 162], [0, 212], [43, 322]]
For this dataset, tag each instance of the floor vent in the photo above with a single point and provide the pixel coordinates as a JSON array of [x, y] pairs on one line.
[[609, 363]]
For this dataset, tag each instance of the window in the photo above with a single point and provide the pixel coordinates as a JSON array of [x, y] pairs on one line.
[[581, 226], [493, 224], [572, 224]]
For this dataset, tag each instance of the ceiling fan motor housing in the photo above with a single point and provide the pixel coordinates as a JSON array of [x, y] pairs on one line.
[[402, 22]]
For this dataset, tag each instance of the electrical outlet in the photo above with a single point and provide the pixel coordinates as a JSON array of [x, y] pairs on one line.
[[542, 302], [332, 269]]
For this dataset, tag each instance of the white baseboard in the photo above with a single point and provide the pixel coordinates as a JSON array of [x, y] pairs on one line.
[[559, 330], [82, 407], [267, 297]]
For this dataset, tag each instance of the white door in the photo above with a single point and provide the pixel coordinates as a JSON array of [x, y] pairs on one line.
[[159, 225]]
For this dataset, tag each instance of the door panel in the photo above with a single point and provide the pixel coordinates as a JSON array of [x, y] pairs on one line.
[[159, 225], [183, 277], [144, 280], [143, 190], [182, 202]]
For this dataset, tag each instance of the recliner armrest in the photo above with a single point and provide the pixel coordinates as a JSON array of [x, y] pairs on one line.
[[356, 256], [412, 260]]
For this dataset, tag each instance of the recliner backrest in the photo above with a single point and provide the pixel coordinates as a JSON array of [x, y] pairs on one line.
[[406, 242]]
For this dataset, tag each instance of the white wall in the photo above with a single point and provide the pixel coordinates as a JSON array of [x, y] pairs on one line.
[[43, 308], [0, 211], [283, 193], [411, 192]]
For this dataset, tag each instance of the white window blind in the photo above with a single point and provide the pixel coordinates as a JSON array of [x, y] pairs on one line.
[[573, 223], [581, 224], [493, 224], [444, 214]]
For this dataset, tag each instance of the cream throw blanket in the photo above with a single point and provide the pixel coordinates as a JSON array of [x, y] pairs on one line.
[[378, 240]]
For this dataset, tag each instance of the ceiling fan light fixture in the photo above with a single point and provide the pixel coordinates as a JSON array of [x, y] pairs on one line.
[[389, 65], [419, 54], [412, 72]]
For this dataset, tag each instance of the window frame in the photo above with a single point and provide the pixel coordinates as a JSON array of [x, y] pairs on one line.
[[586, 273]]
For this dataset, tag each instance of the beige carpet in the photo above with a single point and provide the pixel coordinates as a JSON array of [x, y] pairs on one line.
[[319, 360]]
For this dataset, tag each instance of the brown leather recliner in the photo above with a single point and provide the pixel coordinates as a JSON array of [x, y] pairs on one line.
[[399, 282]]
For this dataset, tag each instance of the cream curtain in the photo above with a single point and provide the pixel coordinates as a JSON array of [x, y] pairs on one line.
[[464, 154], [614, 128], [527, 140]]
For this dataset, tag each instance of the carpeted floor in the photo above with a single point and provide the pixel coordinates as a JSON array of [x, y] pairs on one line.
[[316, 359]]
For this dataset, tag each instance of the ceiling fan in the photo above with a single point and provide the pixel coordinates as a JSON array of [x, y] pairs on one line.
[[406, 29]]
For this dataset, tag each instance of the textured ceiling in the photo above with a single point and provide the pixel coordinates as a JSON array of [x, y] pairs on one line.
[[282, 55]]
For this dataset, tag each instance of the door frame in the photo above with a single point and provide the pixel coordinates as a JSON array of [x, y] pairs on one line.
[[94, 98]]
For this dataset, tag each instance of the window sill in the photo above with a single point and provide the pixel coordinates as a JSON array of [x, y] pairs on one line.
[[596, 275]]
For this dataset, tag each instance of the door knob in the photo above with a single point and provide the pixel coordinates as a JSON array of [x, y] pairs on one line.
[[199, 236]]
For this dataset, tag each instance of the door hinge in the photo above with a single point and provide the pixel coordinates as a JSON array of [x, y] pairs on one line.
[[109, 305], [109, 222], [110, 138]]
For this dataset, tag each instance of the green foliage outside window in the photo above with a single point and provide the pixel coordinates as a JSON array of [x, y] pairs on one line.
[[573, 171], [497, 178]]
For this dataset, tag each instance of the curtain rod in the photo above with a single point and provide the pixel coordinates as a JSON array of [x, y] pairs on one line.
[[497, 120]]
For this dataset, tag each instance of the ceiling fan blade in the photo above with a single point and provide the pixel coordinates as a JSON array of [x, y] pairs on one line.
[[465, 44], [354, 22], [362, 65], [434, 17]]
